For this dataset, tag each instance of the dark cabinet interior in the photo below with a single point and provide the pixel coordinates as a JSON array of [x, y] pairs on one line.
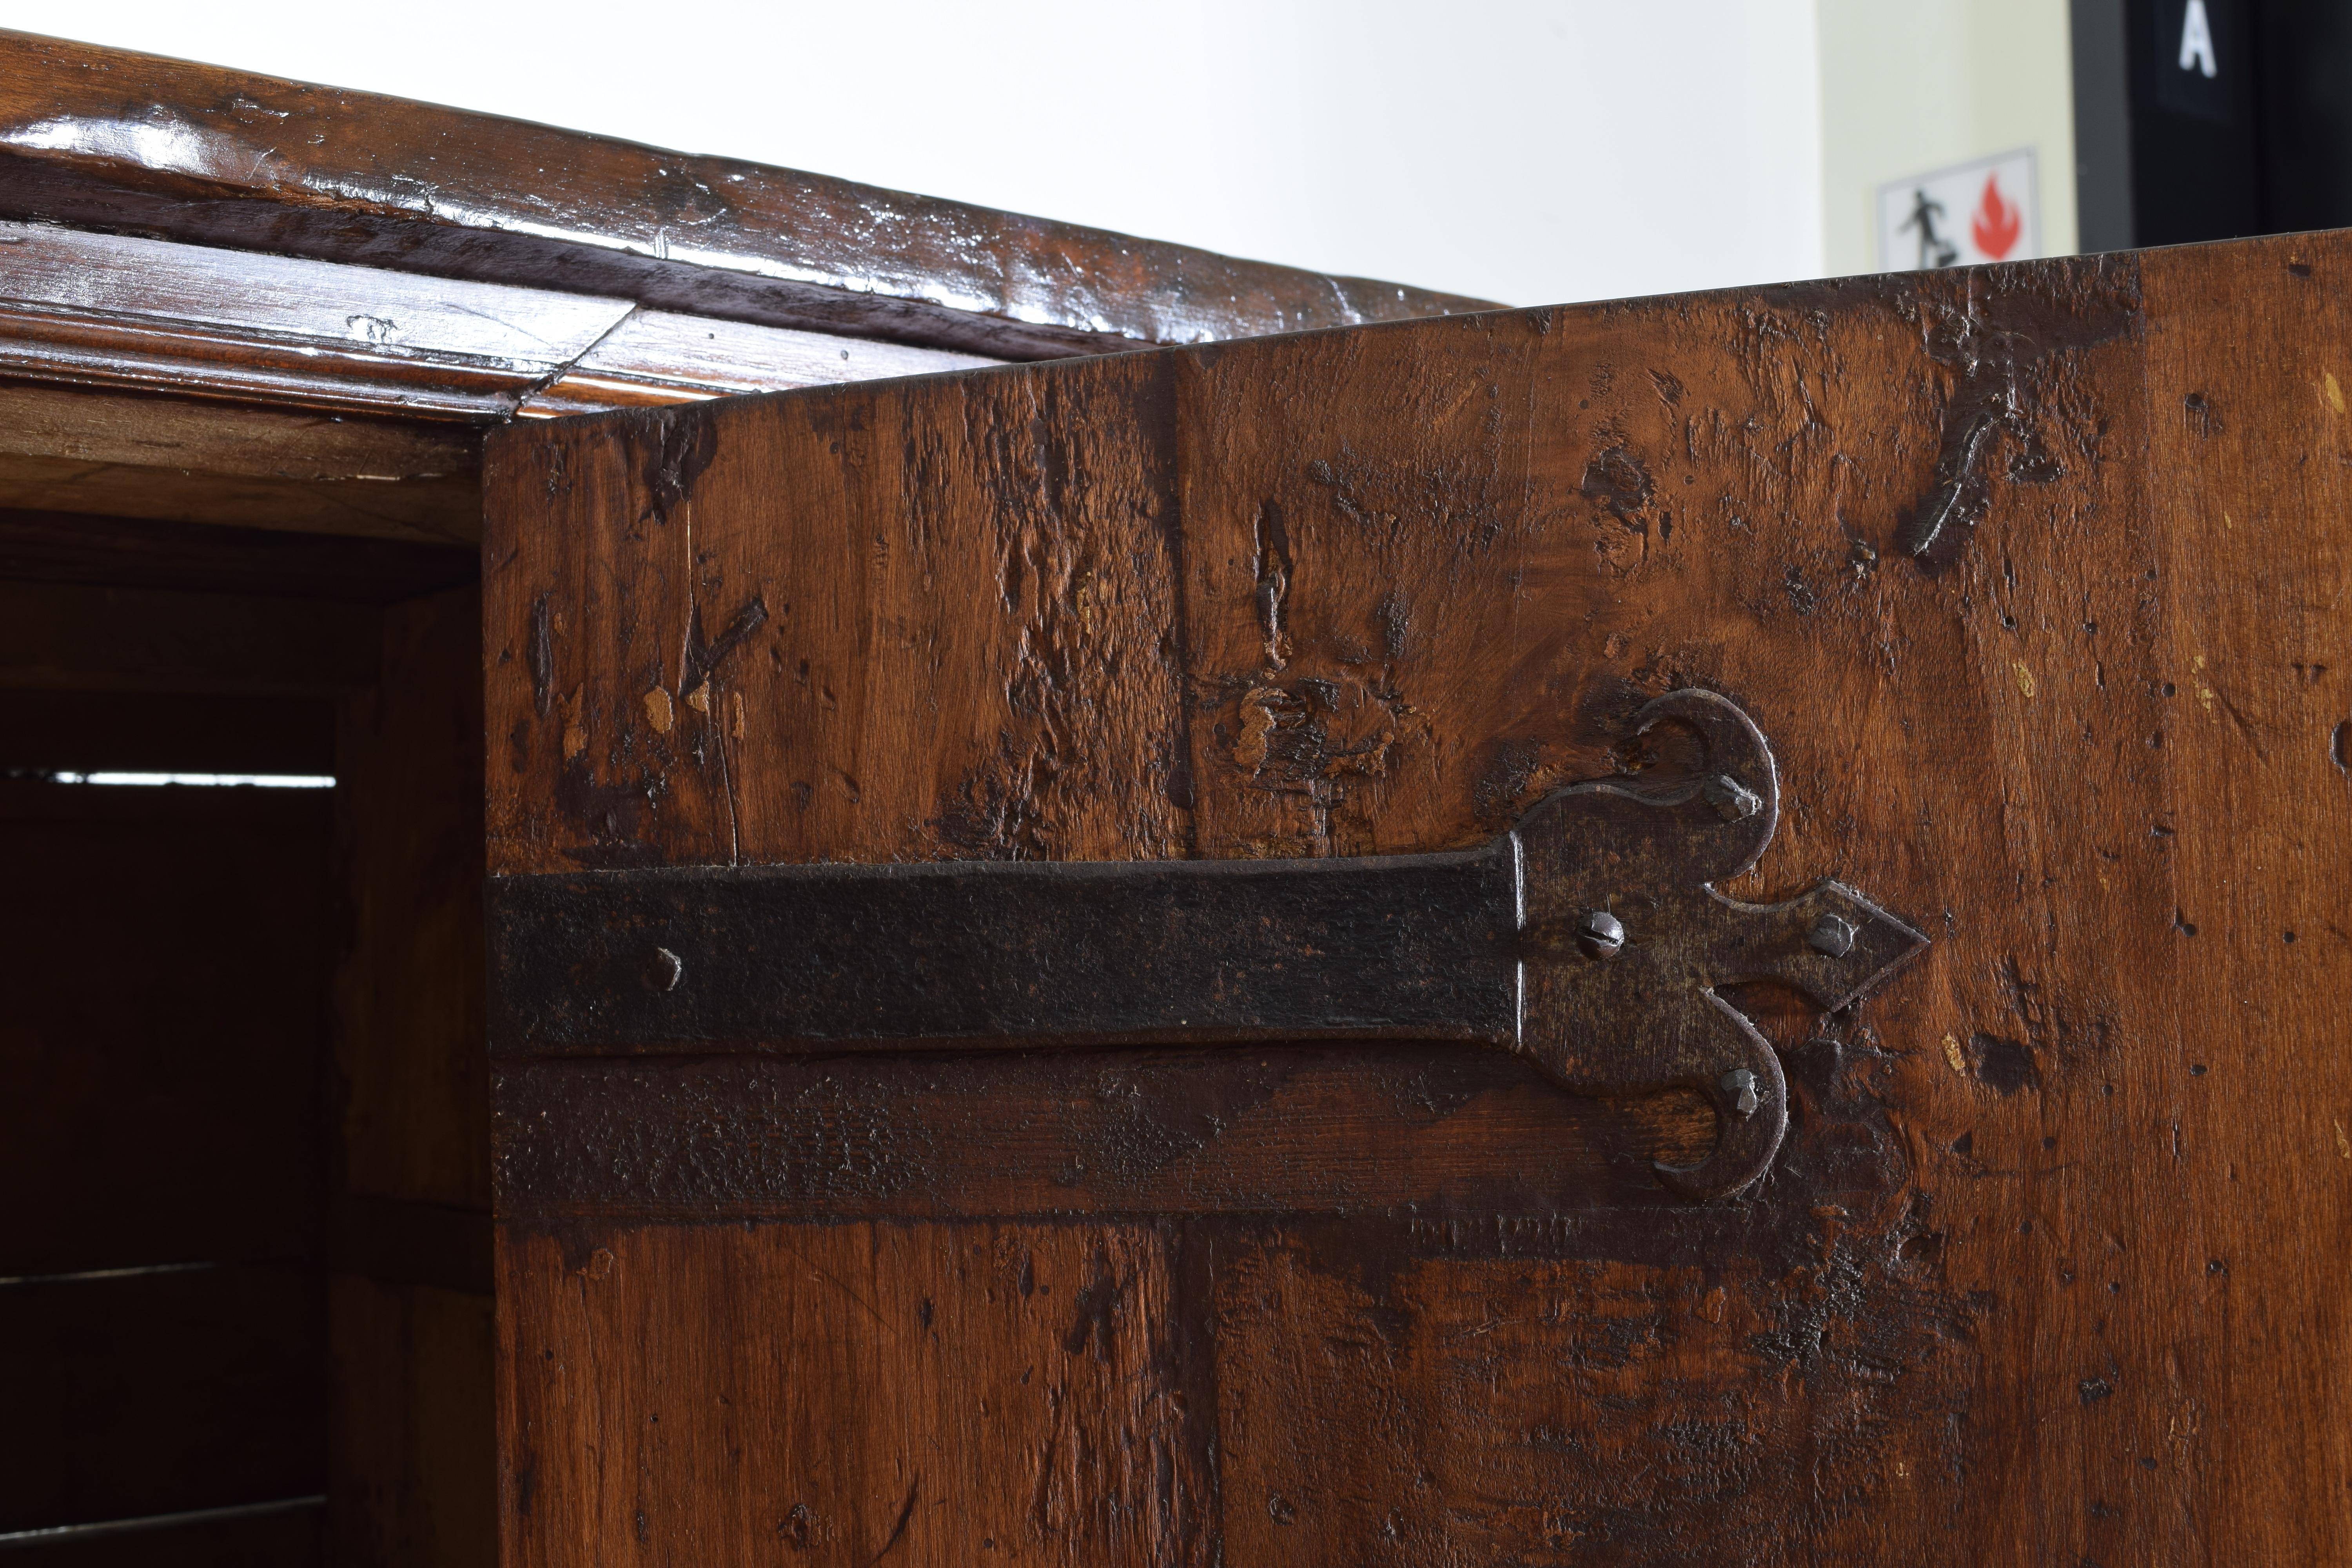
[[247, 1267]]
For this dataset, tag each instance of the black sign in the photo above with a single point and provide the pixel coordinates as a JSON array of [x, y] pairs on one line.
[[2200, 52]]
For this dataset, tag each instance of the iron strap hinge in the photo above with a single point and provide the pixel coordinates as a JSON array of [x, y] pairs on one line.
[[1587, 939]]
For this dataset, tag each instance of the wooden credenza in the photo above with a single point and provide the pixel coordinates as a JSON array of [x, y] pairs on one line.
[[2009, 602]]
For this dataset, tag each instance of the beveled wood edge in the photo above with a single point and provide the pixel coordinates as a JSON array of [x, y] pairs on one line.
[[97, 309], [262, 163], [146, 378], [656, 357]]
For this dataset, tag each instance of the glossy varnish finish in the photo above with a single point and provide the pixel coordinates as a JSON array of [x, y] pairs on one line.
[[109, 309], [2029, 573], [106, 139], [282, 314], [227, 299], [143, 378]]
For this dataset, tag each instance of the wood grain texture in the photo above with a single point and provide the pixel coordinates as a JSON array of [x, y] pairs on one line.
[[412, 1102], [258, 163], [660, 357], [411, 1469], [292, 334], [281, 329], [695, 702], [2251, 694], [74, 449], [2026, 571], [682, 1392]]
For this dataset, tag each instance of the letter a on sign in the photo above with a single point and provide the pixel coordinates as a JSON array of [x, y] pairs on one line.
[[2197, 41]]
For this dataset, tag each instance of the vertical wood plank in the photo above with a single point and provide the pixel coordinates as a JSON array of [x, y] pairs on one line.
[[2027, 574], [413, 1101], [412, 1445], [777, 631], [2249, 441], [412, 1421], [844, 1394], [783, 635]]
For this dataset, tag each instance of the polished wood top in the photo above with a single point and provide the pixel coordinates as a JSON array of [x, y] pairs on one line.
[[107, 138]]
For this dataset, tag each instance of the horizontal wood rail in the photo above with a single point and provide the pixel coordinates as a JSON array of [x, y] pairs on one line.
[[110, 138]]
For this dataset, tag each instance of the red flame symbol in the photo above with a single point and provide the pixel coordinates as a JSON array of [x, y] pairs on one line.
[[1996, 224]]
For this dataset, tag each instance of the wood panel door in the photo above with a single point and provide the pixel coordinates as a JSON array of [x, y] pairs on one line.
[[2036, 578]]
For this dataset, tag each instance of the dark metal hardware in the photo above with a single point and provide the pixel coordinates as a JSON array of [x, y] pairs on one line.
[[1740, 1084], [1587, 939], [1600, 934], [1831, 936]]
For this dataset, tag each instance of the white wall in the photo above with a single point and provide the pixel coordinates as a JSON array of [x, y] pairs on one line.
[[1911, 86], [1519, 150]]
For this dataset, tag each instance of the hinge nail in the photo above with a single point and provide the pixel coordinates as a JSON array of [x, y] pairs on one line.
[[1599, 934], [1831, 935]]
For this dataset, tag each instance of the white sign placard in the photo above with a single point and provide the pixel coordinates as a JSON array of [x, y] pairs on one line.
[[1988, 210]]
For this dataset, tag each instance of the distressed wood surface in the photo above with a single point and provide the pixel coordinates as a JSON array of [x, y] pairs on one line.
[[258, 163], [2032, 575], [282, 329], [1025, 1397], [658, 357]]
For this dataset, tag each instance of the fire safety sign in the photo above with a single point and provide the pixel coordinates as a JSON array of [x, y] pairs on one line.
[[1988, 210]]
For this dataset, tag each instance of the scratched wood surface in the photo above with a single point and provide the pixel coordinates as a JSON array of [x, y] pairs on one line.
[[2034, 577], [258, 163]]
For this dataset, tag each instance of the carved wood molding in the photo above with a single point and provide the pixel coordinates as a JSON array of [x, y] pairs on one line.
[[228, 299], [103, 310], [150, 379], [108, 139]]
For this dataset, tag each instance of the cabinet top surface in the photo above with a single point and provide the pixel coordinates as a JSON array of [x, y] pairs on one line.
[[106, 138]]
